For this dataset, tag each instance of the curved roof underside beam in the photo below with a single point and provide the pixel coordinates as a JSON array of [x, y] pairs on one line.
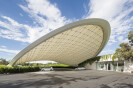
[[70, 44]]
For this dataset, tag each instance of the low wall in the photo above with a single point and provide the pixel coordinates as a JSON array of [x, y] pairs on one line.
[[128, 66], [92, 66]]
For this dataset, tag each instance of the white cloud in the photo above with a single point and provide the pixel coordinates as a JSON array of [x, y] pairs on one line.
[[106, 52], [11, 29], [117, 12], [3, 46], [20, 14], [120, 38], [46, 17], [9, 51]]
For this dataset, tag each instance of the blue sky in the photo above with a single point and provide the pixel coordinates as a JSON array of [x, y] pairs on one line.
[[24, 21]]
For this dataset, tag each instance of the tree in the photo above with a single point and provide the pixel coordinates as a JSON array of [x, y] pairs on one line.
[[125, 51], [3, 61], [130, 37]]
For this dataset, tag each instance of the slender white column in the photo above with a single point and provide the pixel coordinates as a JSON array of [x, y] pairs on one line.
[[117, 67], [107, 66]]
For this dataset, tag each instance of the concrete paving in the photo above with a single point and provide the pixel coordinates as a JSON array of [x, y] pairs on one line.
[[68, 79]]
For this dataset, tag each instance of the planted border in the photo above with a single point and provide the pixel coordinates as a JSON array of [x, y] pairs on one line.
[[5, 69]]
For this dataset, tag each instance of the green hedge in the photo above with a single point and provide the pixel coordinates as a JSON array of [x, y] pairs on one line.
[[6, 69], [63, 67], [58, 66]]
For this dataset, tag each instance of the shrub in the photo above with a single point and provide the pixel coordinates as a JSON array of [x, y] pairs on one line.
[[6, 69]]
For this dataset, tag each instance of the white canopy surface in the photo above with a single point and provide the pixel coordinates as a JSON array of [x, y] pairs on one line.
[[70, 44]]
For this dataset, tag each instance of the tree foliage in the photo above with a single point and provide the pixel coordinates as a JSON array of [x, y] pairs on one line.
[[125, 51], [130, 37], [90, 61], [3, 61]]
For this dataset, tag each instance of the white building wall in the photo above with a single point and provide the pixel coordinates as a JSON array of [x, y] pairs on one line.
[[128, 66], [92, 66]]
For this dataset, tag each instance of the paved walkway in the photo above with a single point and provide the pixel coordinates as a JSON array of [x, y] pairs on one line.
[[68, 79]]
